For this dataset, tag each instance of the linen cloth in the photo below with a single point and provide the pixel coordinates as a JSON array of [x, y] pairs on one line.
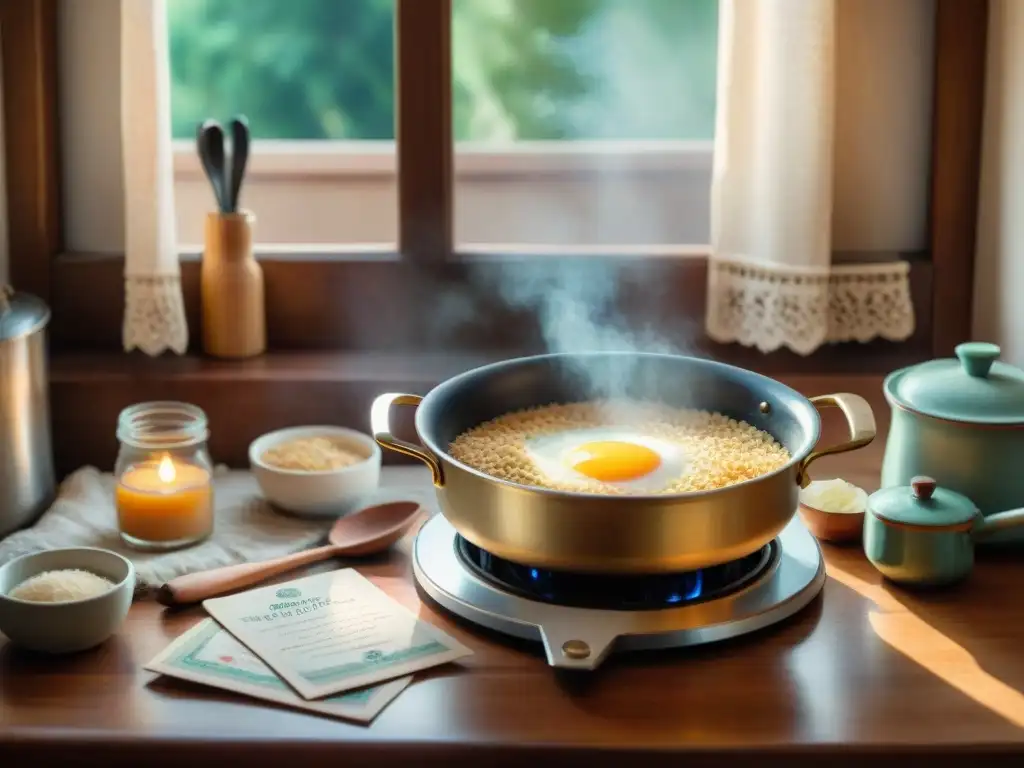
[[771, 280], [246, 528]]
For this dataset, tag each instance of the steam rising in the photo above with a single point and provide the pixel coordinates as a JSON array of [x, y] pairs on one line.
[[575, 305], [576, 309], [654, 81]]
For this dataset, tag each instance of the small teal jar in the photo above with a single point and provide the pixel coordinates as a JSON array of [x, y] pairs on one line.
[[960, 421], [924, 535]]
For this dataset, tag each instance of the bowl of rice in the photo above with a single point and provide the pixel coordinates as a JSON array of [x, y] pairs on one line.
[[317, 471], [65, 600]]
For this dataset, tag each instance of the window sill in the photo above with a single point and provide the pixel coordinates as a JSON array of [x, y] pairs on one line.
[[245, 399], [368, 301], [365, 302]]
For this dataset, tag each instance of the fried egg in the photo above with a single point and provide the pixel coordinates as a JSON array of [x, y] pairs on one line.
[[613, 456]]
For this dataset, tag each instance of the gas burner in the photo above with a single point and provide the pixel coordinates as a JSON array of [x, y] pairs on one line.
[[580, 618], [616, 592]]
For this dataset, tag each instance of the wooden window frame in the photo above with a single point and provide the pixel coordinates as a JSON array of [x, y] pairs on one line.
[[323, 303], [28, 63]]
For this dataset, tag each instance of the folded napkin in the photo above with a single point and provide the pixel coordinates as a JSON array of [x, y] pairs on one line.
[[246, 528]]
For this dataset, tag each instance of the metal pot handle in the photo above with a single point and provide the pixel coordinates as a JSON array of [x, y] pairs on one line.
[[859, 417], [380, 424]]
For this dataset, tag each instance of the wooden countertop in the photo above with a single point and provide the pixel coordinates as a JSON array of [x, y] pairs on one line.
[[868, 671]]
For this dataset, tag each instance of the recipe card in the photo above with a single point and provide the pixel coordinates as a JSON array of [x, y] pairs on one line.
[[333, 632], [208, 655]]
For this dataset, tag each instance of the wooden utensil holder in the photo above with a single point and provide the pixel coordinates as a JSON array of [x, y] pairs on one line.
[[234, 318]]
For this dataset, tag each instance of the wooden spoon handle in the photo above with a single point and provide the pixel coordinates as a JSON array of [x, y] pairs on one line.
[[195, 587]]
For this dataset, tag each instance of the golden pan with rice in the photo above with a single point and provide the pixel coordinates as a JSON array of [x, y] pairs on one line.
[[619, 461]]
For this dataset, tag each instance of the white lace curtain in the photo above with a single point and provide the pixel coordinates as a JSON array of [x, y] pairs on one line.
[[154, 314], [771, 280]]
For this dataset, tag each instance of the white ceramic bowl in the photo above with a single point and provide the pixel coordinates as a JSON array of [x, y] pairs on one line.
[[74, 625], [330, 493]]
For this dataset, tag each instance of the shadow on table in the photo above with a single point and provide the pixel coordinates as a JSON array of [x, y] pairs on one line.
[[982, 615], [969, 636]]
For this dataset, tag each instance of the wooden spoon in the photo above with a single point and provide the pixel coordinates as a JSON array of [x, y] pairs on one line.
[[365, 532]]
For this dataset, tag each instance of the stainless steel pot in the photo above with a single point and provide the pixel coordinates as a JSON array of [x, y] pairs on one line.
[[26, 457], [620, 534]]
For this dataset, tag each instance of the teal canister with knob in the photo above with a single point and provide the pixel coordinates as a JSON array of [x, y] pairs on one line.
[[924, 535], [961, 421]]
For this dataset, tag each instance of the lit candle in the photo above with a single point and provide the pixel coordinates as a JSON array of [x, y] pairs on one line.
[[165, 502]]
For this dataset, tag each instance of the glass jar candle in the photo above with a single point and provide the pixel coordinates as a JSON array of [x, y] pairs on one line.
[[164, 493]]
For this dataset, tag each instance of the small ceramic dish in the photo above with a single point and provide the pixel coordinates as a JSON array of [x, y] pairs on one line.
[[75, 625], [833, 525], [327, 493]]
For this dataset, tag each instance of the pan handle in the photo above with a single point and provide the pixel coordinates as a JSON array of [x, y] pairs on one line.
[[380, 425], [859, 417]]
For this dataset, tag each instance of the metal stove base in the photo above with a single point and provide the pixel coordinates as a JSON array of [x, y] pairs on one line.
[[581, 638]]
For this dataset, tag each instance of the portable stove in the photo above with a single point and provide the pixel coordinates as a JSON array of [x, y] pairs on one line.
[[580, 618]]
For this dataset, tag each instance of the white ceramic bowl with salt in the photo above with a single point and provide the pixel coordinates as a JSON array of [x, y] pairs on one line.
[[70, 626], [328, 493]]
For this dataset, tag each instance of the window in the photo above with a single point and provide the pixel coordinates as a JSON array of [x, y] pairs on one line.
[[60, 70], [316, 78], [605, 106], [317, 293], [562, 110]]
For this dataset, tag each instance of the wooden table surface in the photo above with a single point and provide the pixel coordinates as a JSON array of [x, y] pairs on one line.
[[868, 671]]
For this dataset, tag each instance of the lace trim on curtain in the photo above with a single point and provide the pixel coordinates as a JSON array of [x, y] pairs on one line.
[[154, 316], [770, 308]]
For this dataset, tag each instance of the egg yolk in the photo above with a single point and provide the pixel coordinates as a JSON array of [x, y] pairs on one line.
[[614, 461]]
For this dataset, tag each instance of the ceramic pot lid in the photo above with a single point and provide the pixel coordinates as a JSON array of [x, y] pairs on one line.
[[975, 387], [20, 313], [922, 503]]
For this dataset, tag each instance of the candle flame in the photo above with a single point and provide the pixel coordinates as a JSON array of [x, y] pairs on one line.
[[166, 471]]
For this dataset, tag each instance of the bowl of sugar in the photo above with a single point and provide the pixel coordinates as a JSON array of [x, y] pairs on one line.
[[833, 510], [65, 600]]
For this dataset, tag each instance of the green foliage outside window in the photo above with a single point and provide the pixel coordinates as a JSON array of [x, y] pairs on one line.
[[522, 69]]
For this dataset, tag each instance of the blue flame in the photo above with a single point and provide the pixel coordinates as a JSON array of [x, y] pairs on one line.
[[698, 586]]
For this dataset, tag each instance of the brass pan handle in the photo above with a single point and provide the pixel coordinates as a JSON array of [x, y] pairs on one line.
[[380, 424], [859, 417]]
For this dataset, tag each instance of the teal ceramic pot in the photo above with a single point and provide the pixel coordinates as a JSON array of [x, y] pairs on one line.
[[960, 421], [923, 535]]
